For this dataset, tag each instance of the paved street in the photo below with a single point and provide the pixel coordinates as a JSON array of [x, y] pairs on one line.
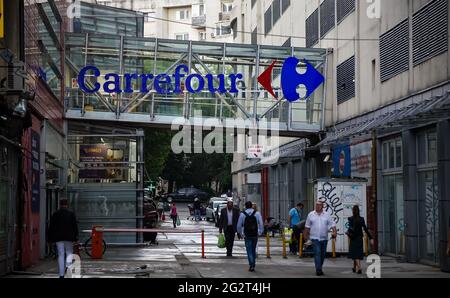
[[179, 255]]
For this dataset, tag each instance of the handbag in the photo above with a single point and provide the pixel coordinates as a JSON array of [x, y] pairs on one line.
[[221, 241], [350, 233], [178, 221]]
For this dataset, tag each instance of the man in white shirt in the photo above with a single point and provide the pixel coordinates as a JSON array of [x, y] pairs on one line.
[[318, 224]]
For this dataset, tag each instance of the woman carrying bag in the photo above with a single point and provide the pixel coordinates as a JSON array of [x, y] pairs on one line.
[[355, 233], [174, 215]]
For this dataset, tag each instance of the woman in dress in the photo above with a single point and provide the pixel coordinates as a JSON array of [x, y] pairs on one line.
[[355, 233]]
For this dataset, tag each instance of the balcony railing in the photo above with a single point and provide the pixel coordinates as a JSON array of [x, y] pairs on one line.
[[199, 21]]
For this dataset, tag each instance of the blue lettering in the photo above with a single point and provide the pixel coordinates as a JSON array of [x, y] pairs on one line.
[[81, 79], [201, 83], [144, 79], [234, 78], [115, 83], [177, 75], [163, 79], [221, 89], [128, 86]]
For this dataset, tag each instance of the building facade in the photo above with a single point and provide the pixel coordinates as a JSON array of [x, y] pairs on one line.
[[387, 86], [183, 20]]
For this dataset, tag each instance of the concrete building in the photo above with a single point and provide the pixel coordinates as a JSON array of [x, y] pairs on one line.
[[386, 113], [178, 19]]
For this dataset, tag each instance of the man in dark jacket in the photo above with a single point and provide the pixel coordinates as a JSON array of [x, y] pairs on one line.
[[63, 231], [229, 217]]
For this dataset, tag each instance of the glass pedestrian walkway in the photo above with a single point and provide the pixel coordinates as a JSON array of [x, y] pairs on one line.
[[131, 55]]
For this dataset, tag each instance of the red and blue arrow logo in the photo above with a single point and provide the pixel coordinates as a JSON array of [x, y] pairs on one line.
[[291, 79]]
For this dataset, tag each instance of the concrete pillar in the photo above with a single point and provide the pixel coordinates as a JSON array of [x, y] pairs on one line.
[[410, 195], [443, 156]]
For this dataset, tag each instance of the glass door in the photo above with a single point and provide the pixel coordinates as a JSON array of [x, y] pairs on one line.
[[393, 215]]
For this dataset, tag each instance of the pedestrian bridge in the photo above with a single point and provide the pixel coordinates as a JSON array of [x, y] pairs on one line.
[[143, 106]]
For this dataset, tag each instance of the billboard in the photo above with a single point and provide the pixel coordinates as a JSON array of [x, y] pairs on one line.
[[97, 159]]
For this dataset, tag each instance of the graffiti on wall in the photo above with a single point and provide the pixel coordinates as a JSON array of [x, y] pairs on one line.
[[431, 216], [332, 203]]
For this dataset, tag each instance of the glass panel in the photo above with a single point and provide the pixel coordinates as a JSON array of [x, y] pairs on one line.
[[385, 156], [421, 149], [391, 155], [429, 215], [398, 154], [389, 214], [3, 205], [432, 147]]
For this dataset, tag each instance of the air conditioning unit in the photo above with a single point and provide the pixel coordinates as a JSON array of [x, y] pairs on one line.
[[213, 35], [14, 80]]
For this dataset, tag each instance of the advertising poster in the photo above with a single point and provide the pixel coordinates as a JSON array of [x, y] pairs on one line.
[[99, 156]]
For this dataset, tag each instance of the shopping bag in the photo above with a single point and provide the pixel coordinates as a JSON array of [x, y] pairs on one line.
[[178, 221], [288, 235], [221, 241]]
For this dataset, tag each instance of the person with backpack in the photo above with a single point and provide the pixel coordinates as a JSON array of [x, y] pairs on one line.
[[294, 218], [250, 225], [63, 231]]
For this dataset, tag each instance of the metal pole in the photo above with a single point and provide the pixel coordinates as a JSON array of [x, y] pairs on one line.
[[203, 244], [186, 94], [324, 101], [300, 246], [152, 108], [255, 96], [121, 70], [86, 36]]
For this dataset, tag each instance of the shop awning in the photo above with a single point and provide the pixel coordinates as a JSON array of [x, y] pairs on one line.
[[417, 114]]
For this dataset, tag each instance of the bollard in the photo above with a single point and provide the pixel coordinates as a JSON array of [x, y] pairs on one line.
[[333, 247], [300, 246], [203, 244], [97, 242], [284, 246], [366, 245], [268, 246]]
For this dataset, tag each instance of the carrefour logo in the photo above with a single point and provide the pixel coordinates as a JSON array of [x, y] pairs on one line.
[[195, 83], [291, 79]]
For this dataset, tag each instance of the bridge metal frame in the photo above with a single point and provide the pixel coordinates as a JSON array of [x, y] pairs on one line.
[[303, 117]]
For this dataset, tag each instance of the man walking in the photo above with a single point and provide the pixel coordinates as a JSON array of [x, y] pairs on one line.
[[229, 217], [294, 218], [63, 231], [318, 224], [250, 225], [197, 212]]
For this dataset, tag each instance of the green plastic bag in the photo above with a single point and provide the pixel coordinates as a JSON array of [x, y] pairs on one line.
[[178, 221], [221, 241], [288, 235]]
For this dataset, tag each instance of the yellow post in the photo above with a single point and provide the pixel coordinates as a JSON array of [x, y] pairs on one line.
[[366, 245], [333, 247], [267, 245], [284, 246], [2, 21], [300, 246]]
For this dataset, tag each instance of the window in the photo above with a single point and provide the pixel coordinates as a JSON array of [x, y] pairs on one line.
[[426, 148], [346, 80], [374, 73], [227, 7], [394, 51], [285, 5], [344, 8], [222, 30], [182, 36], [312, 29], [430, 31], [183, 14], [392, 154], [268, 20], [276, 13], [255, 36], [327, 14], [201, 9]]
